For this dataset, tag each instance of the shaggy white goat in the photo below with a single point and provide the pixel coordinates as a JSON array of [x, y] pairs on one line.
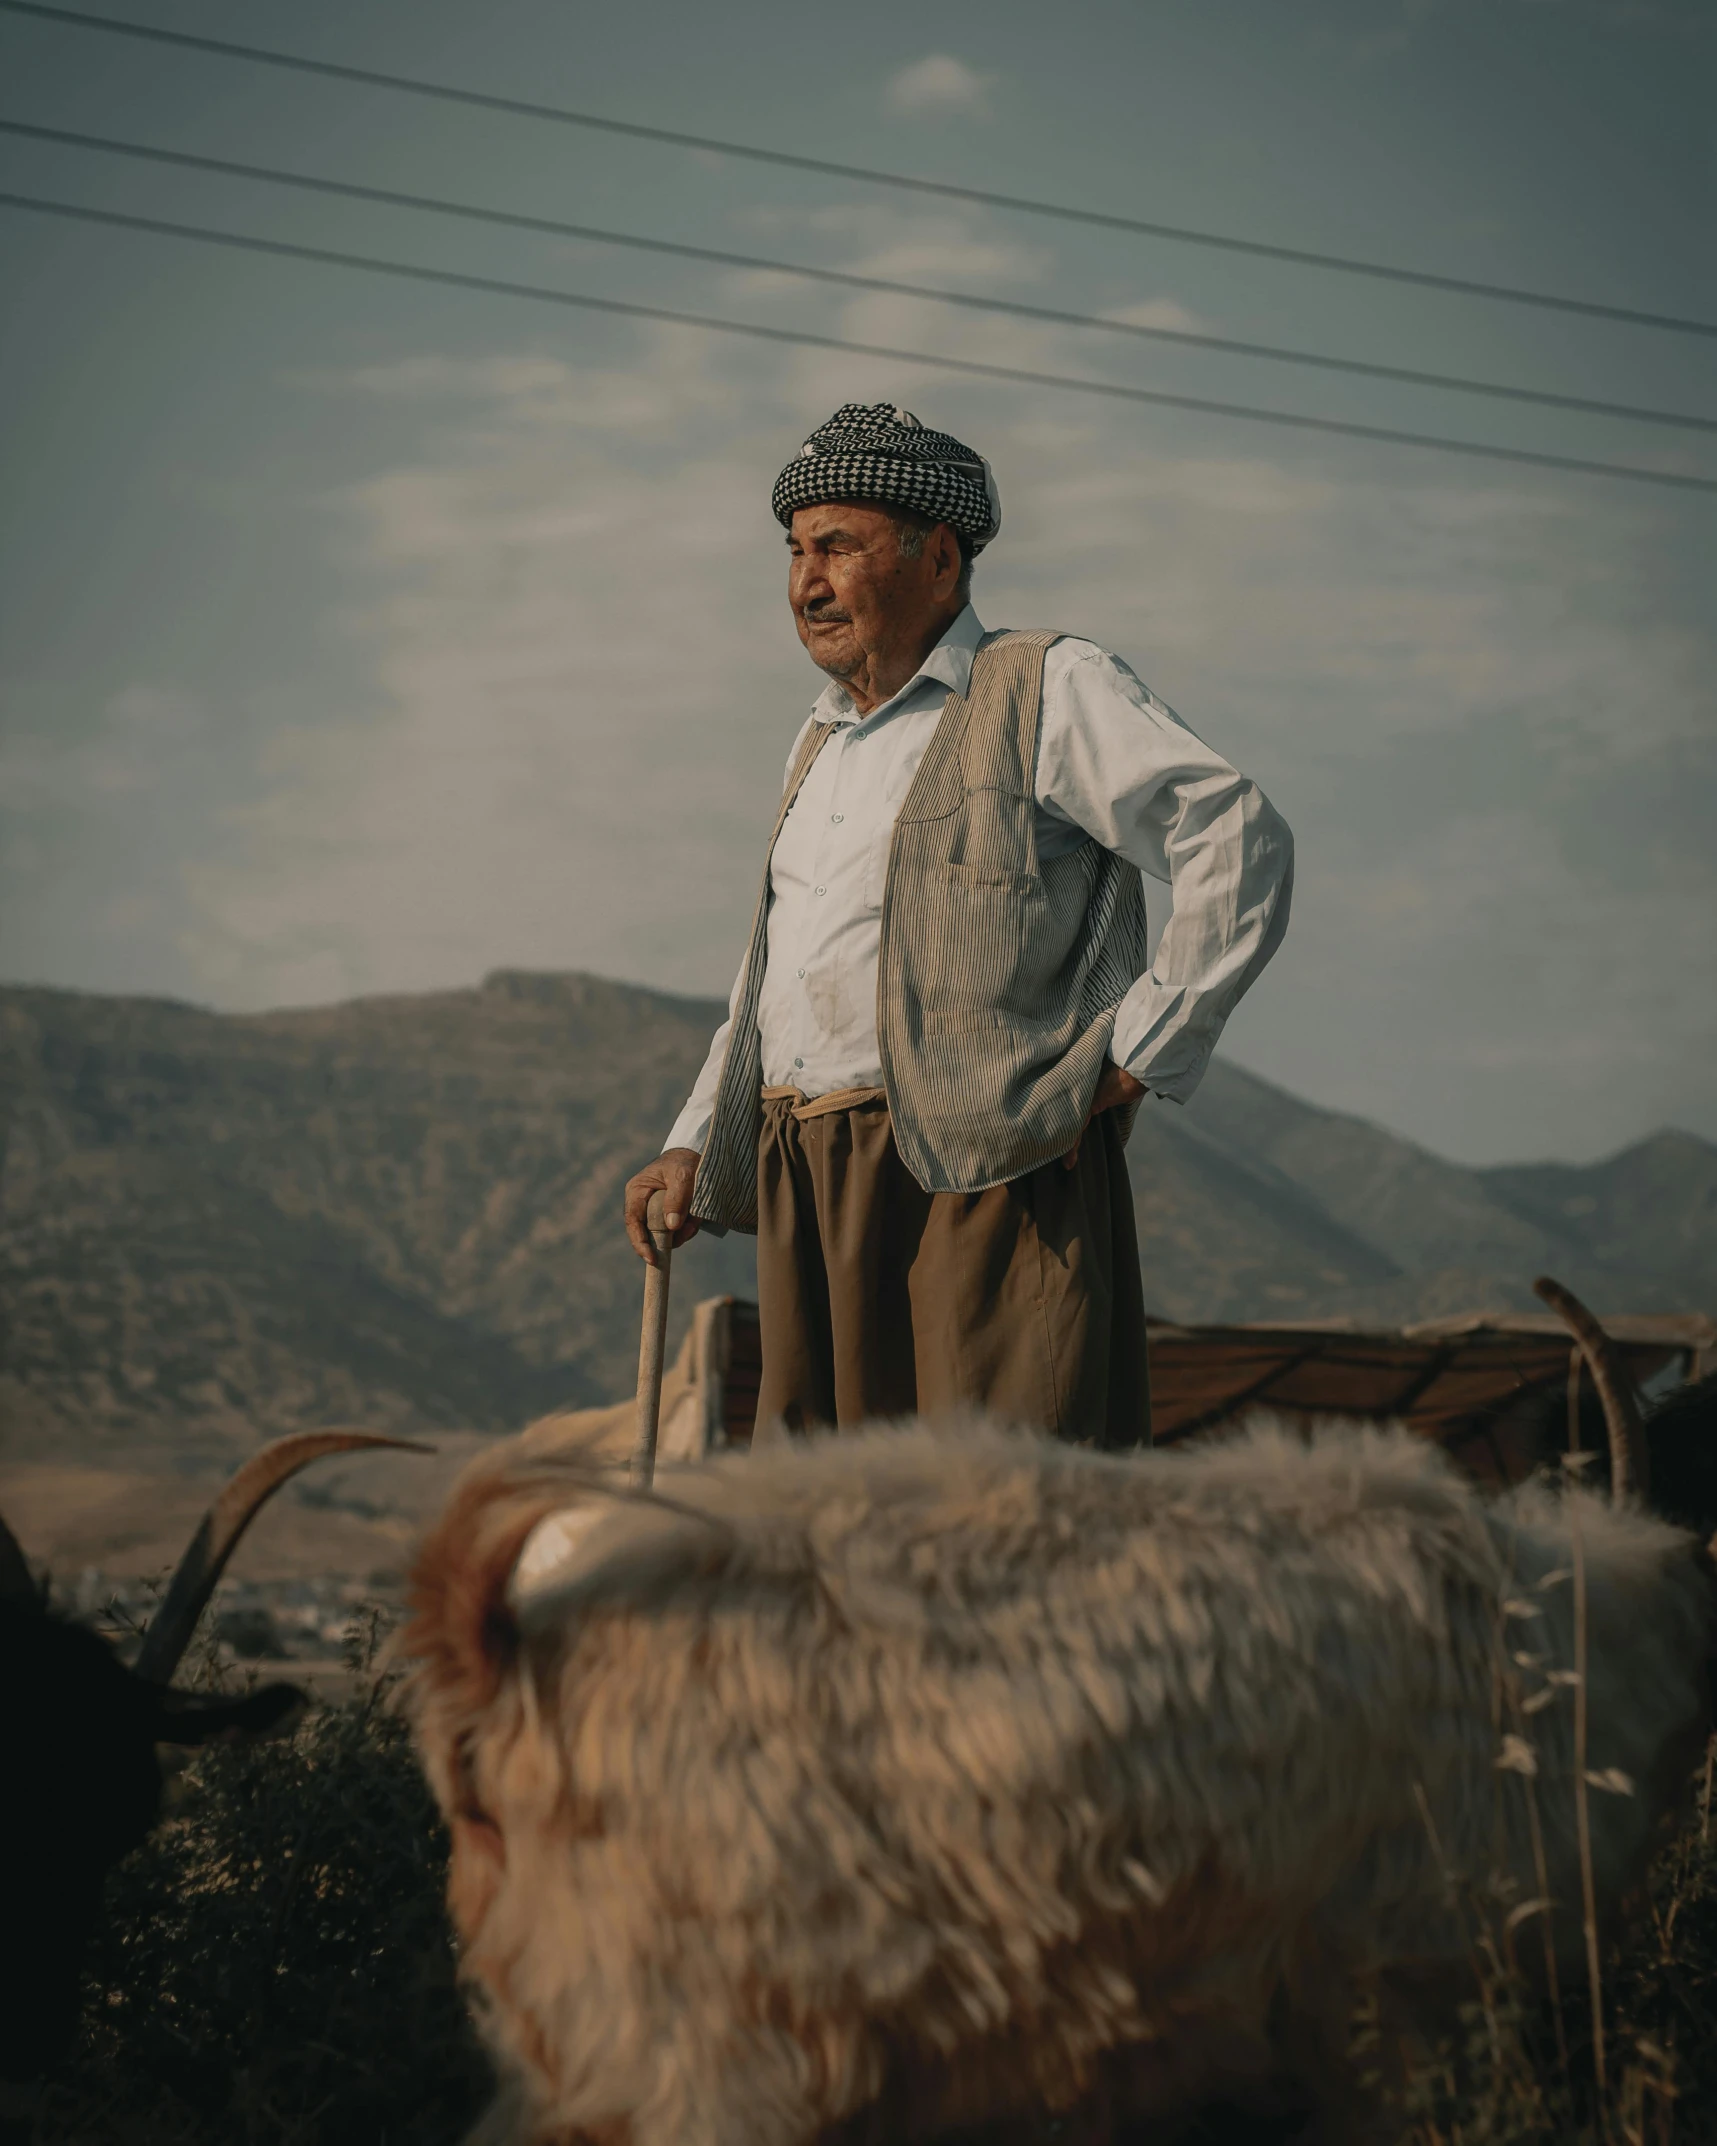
[[880, 1786]]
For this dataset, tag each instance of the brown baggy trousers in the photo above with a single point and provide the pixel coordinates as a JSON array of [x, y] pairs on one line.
[[878, 1298]]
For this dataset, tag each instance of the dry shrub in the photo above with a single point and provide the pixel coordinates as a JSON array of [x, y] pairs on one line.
[[1522, 2072], [274, 1966], [1626, 2055]]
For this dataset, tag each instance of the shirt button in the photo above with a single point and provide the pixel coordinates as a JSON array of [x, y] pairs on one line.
[[798, 1061], [836, 818], [801, 972], [822, 890]]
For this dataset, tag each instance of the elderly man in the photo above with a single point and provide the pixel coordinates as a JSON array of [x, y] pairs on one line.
[[946, 1017]]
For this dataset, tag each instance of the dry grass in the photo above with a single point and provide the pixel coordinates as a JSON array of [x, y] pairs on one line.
[[1628, 2056], [1525, 2072]]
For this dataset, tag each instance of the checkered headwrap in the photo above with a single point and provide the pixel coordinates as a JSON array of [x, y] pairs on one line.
[[873, 451]]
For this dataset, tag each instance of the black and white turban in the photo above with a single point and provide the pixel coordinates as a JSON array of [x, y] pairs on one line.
[[873, 451]]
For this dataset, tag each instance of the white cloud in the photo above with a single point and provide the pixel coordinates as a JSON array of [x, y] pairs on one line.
[[577, 682], [955, 257], [580, 701], [1160, 313], [938, 83], [882, 238], [141, 728]]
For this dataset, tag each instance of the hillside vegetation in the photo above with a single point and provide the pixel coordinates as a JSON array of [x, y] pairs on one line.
[[403, 1211]]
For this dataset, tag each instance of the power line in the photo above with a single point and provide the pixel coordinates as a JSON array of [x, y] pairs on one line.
[[515, 220], [630, 309], [563, 115]]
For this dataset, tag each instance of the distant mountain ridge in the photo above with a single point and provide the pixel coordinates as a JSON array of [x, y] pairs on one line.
[[1385, 1231], [404, 1211]]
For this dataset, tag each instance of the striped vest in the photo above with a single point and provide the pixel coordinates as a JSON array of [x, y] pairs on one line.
[[999, 973]]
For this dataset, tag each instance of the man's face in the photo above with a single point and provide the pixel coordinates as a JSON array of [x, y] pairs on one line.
[[855, 597]]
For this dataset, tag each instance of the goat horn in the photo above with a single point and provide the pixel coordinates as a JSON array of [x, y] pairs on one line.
[[1630, 1464], [16, 1581], [217, 1536]]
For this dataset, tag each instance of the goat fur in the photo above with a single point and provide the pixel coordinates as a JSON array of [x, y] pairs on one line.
[[882, 1785]]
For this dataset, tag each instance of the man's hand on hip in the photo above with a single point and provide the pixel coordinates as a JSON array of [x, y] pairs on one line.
[[671, 1175], [1116, 1087]]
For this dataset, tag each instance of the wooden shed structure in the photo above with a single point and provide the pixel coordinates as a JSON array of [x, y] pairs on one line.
[[1478, 1384]]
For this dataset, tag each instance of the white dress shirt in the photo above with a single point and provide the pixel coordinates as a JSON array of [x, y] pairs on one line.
[[1113, 763]]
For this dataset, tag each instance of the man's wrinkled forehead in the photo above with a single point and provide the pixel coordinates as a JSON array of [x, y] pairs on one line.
[[841, 521]]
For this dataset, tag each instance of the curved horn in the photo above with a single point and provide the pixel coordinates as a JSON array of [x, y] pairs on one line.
[[1630, 1465], [217, 1536], [17, 1584]]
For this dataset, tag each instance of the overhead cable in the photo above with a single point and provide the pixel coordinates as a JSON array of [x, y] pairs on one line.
[[512, 219], [1022, 375], [563, 115]]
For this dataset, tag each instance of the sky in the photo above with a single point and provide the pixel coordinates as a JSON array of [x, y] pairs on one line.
[[361, 635]]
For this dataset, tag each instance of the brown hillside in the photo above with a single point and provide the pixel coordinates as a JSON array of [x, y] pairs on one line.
[[403, 1212]]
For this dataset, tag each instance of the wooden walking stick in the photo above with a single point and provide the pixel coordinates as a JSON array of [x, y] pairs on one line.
[[652, 1342]]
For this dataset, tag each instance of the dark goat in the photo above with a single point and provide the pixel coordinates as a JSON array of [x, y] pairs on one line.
[[82, 1783], [1681, 1438]]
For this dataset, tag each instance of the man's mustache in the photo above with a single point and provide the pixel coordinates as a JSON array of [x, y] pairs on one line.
[[824, 611]]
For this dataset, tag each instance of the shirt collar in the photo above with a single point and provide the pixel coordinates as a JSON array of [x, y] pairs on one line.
[[949, 663]]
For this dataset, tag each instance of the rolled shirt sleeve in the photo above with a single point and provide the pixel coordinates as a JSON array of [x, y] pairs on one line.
[[1116, 763]]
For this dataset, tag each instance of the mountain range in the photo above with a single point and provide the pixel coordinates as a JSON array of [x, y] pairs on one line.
[[403, 1212]]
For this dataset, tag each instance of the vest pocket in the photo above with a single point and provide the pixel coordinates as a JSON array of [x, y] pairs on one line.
[[996, 1020], [971, 935], [978, 881]]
